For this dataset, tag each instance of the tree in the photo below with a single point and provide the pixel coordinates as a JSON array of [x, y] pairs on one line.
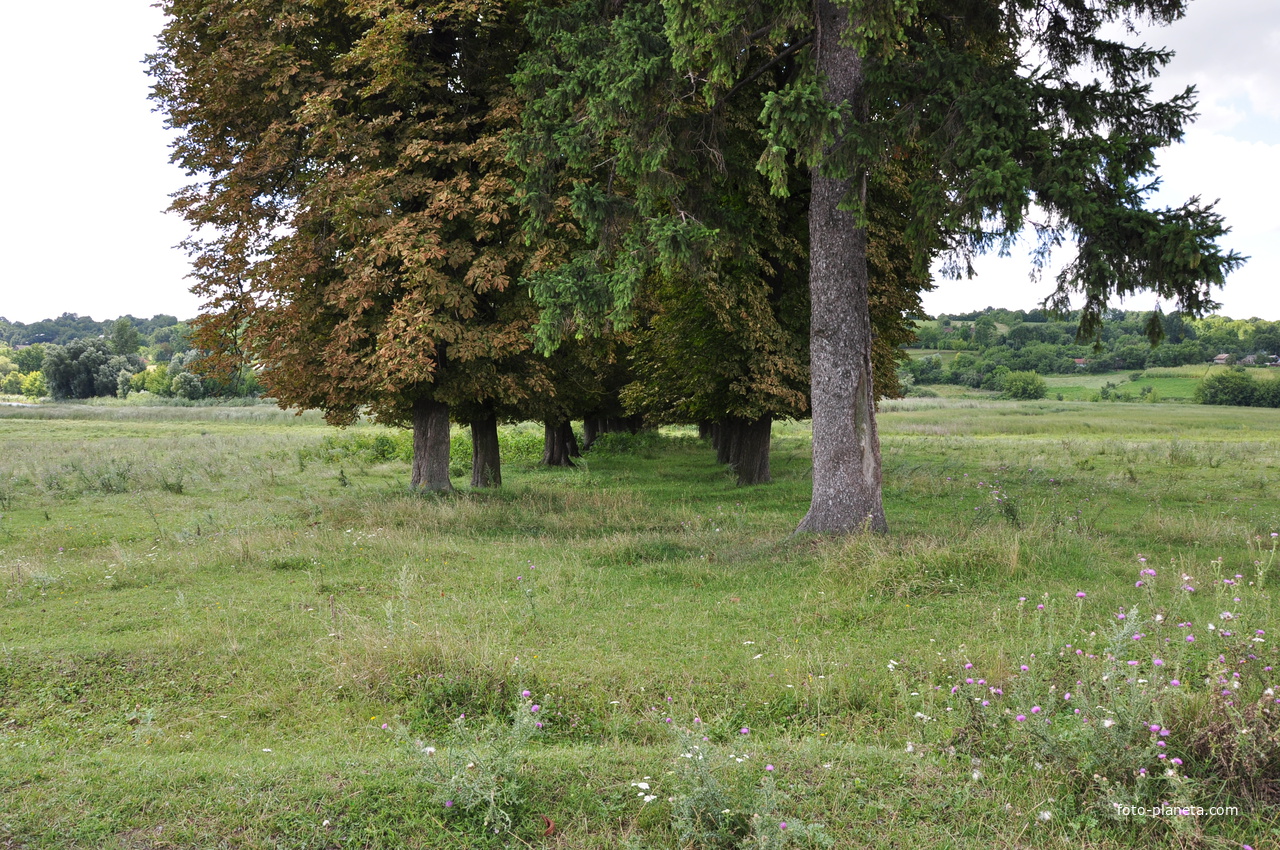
[[125, 338], [29, 359], [85, 368], [642, 190], [33, 385], [953, 85], [354, 181]]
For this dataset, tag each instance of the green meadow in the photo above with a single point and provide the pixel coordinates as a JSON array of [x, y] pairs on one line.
[[235, 627], [1161, 384]]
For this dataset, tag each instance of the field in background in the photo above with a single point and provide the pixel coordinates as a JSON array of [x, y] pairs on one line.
[[234, 627], [1170, 384]]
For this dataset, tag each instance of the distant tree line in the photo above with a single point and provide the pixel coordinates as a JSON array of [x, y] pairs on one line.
[[994, 342], [75, 357]]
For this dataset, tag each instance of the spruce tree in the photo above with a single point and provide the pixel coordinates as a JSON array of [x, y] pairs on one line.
[[984, 96]]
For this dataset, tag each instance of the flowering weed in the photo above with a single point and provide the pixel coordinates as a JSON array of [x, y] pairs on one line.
[[475, 772]]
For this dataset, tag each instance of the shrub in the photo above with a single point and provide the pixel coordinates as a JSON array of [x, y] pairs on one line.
[[1024, 385], [1267, 393], [1230, 388], [187, 385], [158, 380]]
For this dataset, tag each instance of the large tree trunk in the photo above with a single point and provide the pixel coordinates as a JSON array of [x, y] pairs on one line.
[[846, 448], [486, 465], [705, 427], [752, 450], [559, 443], [430, 470], [590, 430]]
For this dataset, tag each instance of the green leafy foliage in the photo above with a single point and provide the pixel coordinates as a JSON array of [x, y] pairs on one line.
[[354, 197], [1024, 385], [85, 368], [1237, 387]]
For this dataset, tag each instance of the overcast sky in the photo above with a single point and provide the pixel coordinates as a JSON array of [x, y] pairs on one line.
[[85, 179]]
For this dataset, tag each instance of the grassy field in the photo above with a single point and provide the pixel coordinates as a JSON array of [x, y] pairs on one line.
[[235, 628]]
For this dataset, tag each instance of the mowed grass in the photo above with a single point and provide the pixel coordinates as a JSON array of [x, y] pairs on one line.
[[211, 638]]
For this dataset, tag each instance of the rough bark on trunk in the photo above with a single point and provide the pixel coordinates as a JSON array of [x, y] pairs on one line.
[[590, 430], [752, 462], [486, 465], [733, 439], [559, 444], [846, 447], [430, 469]]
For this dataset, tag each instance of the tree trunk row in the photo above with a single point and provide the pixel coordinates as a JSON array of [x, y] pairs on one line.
[[429, 470], [743, 444], [594, 426], [560, 444]]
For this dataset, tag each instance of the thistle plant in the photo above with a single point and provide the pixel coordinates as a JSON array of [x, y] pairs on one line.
[[475, 771], [1148, 710], [726, 799]]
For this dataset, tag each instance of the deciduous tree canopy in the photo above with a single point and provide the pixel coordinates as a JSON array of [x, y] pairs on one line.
[[354, 191]]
